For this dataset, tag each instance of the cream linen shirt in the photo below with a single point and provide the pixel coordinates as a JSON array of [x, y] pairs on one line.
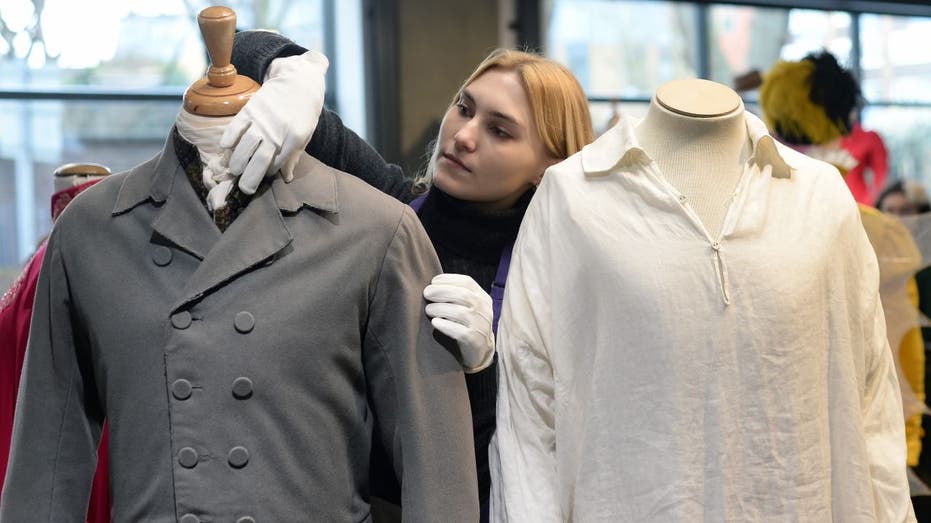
[[650, 372]]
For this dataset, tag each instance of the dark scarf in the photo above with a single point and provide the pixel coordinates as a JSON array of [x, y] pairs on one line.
[[189, 158]]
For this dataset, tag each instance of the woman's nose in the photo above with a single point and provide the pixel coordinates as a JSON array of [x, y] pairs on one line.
[[465, 137]]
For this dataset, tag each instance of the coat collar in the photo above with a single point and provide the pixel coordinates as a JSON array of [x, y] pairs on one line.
[[618, 148], [255, 237], [314, 186]]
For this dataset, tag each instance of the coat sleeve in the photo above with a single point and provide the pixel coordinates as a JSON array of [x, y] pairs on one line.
[[15, 313], [416, 387], [881, 402], [332, 142], [523, 451], [58, 417]]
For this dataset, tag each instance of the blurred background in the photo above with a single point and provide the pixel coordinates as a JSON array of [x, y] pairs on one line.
[[101, 80]]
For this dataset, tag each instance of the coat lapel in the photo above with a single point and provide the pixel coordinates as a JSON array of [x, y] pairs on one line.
[[253, 237], [182, 219]]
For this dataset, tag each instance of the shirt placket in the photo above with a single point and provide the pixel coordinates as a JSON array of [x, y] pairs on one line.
[[715, 244]]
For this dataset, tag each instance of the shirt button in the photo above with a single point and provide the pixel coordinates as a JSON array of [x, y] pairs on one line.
[[246, 519], [238, 457], [716, 246], [187, 457], [682, 198], [181, 389], [161, 255], [244, 322], [189, 518], [181, 320], [242, 388]]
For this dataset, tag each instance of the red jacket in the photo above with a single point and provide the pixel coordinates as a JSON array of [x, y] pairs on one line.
[[870, 152], [15, 315]]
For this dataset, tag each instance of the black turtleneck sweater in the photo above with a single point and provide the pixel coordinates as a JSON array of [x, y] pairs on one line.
[[468, 238]]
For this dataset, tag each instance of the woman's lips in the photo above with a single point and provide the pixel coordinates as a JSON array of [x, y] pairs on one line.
[[452, 159]]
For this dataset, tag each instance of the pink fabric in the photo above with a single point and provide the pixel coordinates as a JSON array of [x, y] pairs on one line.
[[870, 152], [15, 316]]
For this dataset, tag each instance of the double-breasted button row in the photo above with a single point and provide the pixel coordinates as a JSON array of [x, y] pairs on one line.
[[244, 321], [191, 518], [238, 457], [182, 389]]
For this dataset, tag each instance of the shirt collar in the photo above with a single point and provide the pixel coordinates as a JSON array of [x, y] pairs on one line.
[[313, 186], [618, 148]]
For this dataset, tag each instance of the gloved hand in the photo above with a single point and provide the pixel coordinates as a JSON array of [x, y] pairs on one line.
[[462, 310], [276, 124]]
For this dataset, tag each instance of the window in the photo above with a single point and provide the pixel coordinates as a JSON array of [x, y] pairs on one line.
[[622, 50], [101, 81], [745, 38]]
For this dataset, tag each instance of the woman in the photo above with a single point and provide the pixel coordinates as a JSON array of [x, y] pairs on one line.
[[516, 115]]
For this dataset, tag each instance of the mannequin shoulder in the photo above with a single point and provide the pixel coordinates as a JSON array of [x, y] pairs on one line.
[[813, 174], [354, 197]]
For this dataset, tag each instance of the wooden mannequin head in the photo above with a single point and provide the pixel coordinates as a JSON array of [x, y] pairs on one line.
[[698, 98], [223, 92], [71, 174]]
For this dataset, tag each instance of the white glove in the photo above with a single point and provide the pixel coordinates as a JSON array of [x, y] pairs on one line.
[[462, 310], [276, 124]]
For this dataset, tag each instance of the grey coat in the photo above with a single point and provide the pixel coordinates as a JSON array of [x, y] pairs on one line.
[[241, 374]]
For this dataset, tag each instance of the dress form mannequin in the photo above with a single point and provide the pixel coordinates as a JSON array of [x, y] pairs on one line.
[[72, 174], [212, 102], [16, 307], [222, 92], [695, 132]]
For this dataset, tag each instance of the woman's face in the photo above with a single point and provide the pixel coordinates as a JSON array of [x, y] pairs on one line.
[[489, 149]]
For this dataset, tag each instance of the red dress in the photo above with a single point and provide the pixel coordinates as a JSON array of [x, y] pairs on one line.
[[15, 315], [869, 151]]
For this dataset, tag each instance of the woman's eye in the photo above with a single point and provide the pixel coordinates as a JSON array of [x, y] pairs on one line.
[[463, 109], [500, 133]]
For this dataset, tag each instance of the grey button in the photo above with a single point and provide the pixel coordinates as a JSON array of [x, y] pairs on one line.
[[161, 255], [181, 320], [189, 518], [187, 457], [244, 322], [238, 457], [242, 388], [181, 389], [246, 519]]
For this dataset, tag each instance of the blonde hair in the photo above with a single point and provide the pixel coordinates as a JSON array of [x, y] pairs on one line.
[[557, 101]]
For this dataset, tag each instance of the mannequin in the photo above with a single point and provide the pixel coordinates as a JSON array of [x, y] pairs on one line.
[[691, 123], [629, 390], [72, 174], [246, 368], [212, 102], [15, 315]]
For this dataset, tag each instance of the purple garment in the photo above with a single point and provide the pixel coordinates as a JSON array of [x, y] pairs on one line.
[[497, 288]]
